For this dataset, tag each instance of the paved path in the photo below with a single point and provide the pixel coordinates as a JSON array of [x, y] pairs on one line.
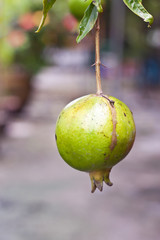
[[41, 198]]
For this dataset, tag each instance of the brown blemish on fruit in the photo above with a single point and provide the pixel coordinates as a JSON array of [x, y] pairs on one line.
[[124, 114], [111, 105], [56, 137], [105, 136], [114, 121], [106, 158], [109, 100]]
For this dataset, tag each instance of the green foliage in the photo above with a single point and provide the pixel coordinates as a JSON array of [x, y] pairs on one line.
[[18, 43], [88, 21], [137, 7], [98, 4], [91, 14], [21, 45], [47, 4], [30, 54], [10, 10]]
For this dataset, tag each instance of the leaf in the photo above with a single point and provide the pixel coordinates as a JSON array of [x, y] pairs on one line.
[[137, 7], [47, 4], [88, 21]]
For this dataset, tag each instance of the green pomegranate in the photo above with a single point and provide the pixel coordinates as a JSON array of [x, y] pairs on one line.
[[94, 133], [78, 7]]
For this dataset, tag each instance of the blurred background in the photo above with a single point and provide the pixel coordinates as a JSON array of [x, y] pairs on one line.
[[42, 198]]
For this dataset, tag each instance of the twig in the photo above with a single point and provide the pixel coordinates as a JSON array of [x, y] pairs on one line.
[[97, 57]]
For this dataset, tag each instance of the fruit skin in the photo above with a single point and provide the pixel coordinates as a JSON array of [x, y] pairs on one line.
[[78, 7], [93, 135]]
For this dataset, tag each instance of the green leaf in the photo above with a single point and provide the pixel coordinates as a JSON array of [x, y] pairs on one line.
[[88, 21], [47, 4], [137, 7], [98, 4]]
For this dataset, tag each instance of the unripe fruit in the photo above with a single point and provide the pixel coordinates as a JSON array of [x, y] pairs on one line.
[[78, 7], [94, 133]]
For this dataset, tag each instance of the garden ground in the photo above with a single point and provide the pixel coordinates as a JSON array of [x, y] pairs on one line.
[[42, 198]]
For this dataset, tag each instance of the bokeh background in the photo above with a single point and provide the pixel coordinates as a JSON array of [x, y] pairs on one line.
[[42, 198]]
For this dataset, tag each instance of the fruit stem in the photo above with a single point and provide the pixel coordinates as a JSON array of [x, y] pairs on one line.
[[97, 57]]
